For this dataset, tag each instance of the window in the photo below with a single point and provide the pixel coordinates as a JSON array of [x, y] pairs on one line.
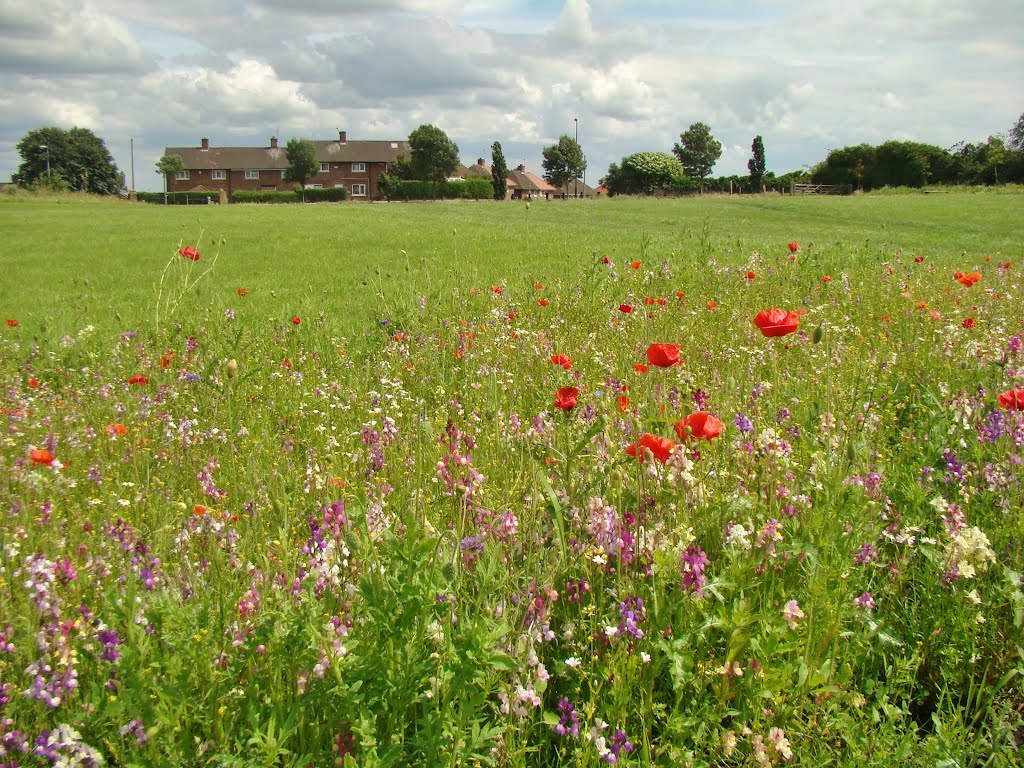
[[358, 190], [358, 167], [181, 176], [325, 167], [314, 186], [219, 175], [284, 175], [252, 174]]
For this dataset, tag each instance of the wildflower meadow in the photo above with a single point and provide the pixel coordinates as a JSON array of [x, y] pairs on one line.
[[687, 482]]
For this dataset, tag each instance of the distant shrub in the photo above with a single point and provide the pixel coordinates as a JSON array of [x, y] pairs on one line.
[[465, 189], [326, 195], [267, 197], [179, 198]]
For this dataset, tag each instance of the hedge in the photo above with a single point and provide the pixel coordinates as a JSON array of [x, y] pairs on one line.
[[179, 198], [464, 189], [325, 195]]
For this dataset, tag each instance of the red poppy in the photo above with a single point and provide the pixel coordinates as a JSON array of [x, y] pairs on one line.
[[497, 289], [538, 286], [918, 259], [1012, 400], [1007, 265], [189, 253], [566, 398], [543, 303], [33, 383], [165, 360], [968, 322], [605, 260], [635, 264], [41, 456], [242, 291], [776, 322], [12, 323], [680, 295], [826, 279], [116, 429], [649, 301], [750, 275], [640, 368], [699, 426], [625, 308], [794, 247], [663, 355], [969, 279], [296, 320], [712, 304], [623, 403], [657, 446], [562, 360], [138, 379]]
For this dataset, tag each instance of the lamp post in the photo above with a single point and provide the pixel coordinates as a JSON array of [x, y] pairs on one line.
[[575, 182], [47, 148]]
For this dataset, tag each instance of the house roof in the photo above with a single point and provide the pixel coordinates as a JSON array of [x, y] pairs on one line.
[[267, 158], [577, 186], [529, 181]]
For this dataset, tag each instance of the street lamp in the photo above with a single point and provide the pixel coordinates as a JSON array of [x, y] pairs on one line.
[[576, 181], [44, 146]]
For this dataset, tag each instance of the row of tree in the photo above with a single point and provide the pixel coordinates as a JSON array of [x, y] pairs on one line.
[[78, 160], [912, 164]]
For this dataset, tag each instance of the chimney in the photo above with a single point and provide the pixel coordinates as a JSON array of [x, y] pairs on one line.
[[521, 168], [342, 137], [206, 143], [480, 161], [273, 142]]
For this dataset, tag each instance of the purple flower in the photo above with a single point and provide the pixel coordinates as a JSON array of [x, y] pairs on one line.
[[693, 562], [867, 554], [742, 423], [569, 723], [865, 602]]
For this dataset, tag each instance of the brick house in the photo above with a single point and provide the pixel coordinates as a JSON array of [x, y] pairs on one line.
[[355, 165]]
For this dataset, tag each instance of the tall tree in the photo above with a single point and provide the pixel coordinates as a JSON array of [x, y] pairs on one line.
[[167, 165], [499, 172], [1016, 138], [302, 163], [78, 156], [563, 161], [756, 164], [698, 151], [434, 155]]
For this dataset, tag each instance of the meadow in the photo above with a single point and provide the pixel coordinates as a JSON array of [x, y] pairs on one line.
[[497, 484]]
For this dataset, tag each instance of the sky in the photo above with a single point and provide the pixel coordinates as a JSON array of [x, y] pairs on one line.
[[807, 76]]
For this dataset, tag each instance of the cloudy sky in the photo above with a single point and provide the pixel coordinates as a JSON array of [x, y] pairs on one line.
[[806, 75]]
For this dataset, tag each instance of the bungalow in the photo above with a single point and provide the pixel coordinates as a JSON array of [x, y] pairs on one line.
[[528, 186], [355, 165]]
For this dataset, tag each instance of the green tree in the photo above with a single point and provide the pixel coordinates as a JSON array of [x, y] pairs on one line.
[[563, 161], [643, 173], [302, 163], [434, 155], [698, 151], [756, 164], [1016, 137], [167, 165], [499, 172], [78, 156]]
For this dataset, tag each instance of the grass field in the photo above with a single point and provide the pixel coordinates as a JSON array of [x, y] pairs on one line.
[[489, 484]]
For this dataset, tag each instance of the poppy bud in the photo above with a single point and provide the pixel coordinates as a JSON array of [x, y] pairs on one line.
[[818, 333]]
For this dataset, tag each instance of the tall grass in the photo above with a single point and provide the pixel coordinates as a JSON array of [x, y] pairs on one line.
[[340, 516]]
